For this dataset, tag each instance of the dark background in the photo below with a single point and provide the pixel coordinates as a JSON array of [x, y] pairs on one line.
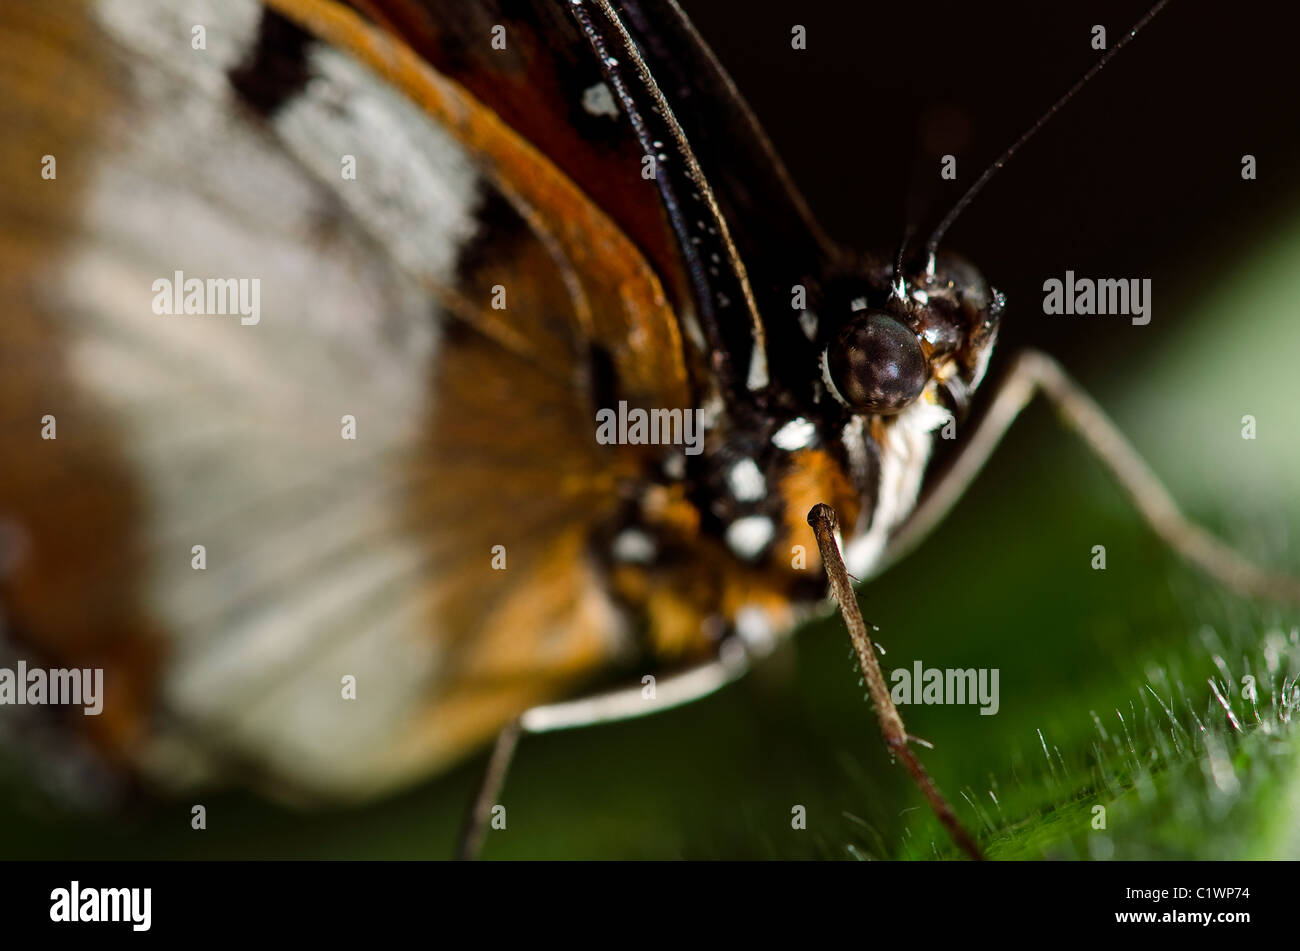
[[1140, 176]]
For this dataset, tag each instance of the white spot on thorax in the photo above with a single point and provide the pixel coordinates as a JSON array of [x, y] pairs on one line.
[[796, 434], [746, 481], [748, 536]]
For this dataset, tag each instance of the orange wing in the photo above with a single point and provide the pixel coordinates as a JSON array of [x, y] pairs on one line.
[[202, 525]]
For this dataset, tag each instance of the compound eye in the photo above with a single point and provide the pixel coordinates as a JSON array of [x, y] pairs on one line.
[[876, 364]]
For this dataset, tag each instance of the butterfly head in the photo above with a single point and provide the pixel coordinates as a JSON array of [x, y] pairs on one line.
[[931, 333]]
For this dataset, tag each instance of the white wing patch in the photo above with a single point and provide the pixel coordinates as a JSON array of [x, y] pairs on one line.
[[235, 432]]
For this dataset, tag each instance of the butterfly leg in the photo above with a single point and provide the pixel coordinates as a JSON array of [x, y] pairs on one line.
[[1033, 373], [625, 703], [475, 823]]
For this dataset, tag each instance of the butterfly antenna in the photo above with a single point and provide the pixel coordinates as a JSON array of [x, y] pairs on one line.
[[932, 246]]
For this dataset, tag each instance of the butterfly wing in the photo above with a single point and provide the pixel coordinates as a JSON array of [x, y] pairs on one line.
[[323, 557], [782, 243], [652, 91]]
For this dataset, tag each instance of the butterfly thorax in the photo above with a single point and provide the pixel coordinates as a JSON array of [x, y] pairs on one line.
[[877, 372]]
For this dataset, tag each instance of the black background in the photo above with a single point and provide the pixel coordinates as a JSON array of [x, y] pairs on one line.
[[340, 900], [1139, 176]]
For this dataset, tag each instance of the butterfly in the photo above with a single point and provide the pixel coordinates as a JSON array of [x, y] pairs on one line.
[[388, 373], [200, 522]]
